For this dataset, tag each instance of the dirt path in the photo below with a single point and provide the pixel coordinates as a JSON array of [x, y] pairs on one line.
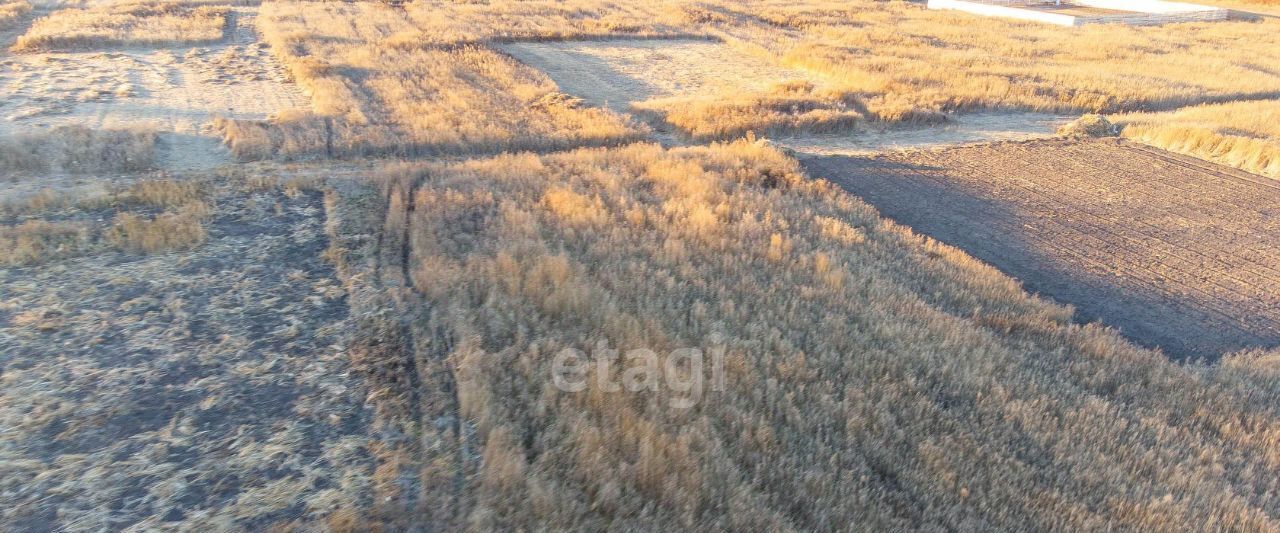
[[1176, 252], [176, 91], [617, 73]]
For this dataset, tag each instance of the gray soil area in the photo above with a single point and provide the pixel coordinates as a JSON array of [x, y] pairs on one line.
[[1175, 252], [206, 388]]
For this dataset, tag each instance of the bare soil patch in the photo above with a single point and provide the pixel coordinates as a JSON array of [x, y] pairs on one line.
[[1175, 252], [174, 91]]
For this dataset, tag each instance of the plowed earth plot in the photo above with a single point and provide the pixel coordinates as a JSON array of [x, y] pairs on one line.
[[619, 73], [1173, 251]]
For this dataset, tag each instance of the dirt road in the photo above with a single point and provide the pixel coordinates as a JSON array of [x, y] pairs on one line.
[[1173, 251]]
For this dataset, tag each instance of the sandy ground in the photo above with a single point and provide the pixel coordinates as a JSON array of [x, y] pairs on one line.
[[191, 390], [1174, 251], [620, 73], [176, 91]]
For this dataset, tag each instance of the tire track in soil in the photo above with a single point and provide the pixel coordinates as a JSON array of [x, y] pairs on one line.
[[1175, 253]]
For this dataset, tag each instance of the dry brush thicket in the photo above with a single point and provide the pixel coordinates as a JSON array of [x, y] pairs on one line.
[[874, 379], [146, 22]]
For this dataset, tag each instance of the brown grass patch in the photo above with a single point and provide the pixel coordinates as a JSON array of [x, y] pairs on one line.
[[175, 230], [77, 149], [147, 23]]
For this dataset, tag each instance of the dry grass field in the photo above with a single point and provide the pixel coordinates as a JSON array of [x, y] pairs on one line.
[[176, 377], [872, 377], [857, 72], [376, 90], [899, 62], [77, 149], [319, 270]]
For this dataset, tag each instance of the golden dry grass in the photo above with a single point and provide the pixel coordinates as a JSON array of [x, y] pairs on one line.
[[126, 23], [787, 108], [77, 149], [446, 22], [1245, 135], [180, 229], [872, 377], [902, 60]]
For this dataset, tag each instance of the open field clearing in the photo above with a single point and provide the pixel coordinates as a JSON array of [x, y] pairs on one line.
[[1175, 252], [620, 73], [968, 128], [204, 387], [176, 92], [376, 91]]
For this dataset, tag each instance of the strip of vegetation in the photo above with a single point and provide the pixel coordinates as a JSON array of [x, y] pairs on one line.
[[1244, 135], [377, 90], [131, 23]]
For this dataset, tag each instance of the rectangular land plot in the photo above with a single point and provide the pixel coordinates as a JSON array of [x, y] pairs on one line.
[[1173, 251]]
